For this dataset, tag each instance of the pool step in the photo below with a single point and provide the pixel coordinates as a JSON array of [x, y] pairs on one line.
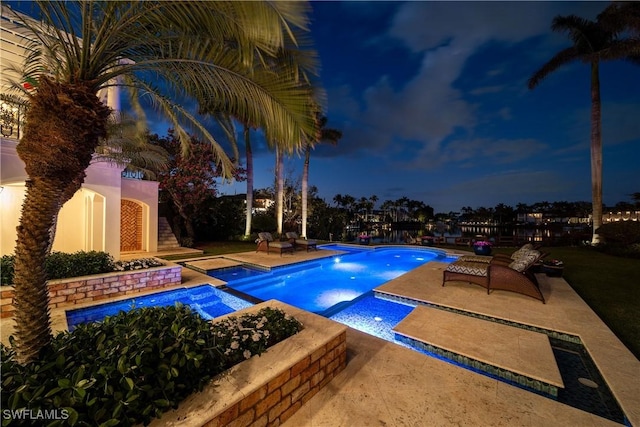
[[513, 354]]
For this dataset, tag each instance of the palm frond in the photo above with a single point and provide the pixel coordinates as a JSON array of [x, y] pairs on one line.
[[561, 58], [152, 44], [178, 116]]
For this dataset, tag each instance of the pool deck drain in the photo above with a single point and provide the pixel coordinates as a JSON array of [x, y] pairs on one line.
[[515, 354]]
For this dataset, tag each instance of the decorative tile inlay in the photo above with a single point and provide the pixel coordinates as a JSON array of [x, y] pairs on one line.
[[409, 301], [509, 377]]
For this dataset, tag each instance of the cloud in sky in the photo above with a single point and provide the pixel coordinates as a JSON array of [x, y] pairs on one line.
[[432, 101], [430, 108]]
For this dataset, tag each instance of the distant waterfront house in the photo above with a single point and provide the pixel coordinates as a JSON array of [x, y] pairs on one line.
[[613, 216], [111, 212]]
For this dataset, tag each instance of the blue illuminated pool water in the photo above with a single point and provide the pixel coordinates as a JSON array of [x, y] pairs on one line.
[[324, 286], [206, 300]]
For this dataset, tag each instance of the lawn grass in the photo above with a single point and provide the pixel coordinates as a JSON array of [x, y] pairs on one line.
[[217, 248], [609, 285]]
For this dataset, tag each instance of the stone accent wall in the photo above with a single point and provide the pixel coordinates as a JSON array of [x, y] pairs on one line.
[[78, 290], [267, 390], [276, 401]]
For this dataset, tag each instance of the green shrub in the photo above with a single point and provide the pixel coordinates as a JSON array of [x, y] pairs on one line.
[[620, 232], [248, 335], [186, 242], [60, 265], [137, 264], [132, 367], [6, 269], [620, 238]]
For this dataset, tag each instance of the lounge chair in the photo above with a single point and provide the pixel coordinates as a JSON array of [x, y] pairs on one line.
[[462, 241], [506, 278], [266, 243], [301, 243], [439, 240], [515, 276], [504, 258], [410, 240]]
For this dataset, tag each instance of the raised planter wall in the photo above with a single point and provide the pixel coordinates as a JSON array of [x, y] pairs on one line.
[[267, 390], [78, 290]]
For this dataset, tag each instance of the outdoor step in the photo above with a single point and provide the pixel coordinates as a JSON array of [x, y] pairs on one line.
[[515, 354], [166, 238]]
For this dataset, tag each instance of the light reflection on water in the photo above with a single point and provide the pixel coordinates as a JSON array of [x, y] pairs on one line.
[[334, 280]]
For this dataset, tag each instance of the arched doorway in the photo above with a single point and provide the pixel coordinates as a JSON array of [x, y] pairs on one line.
[[130, 226]]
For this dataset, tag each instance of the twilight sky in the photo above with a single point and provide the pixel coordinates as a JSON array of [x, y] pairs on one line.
[[432, 101]]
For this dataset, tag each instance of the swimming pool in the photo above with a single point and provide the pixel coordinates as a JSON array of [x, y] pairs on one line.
[[364, 312], [206, 300], [325, 286]]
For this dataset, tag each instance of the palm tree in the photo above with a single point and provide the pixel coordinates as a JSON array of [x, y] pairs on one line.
[[249, 156], [279, 189], [593, 42], [80, 48], [325, 135], [619, 17]]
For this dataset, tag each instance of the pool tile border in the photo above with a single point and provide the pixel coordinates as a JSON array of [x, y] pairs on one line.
[[510, 377], [550, 333]]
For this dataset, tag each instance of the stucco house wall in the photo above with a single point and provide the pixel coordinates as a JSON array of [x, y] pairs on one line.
[[91, 220]]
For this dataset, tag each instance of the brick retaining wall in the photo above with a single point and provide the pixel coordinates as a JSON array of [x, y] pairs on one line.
[[267, 390], [276, 401], [78, 290]]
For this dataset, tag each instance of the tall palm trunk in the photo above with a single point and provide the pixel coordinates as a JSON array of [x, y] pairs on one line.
[[63, 126], [247, 144], [596, 151], [279, 189], [305, 188]]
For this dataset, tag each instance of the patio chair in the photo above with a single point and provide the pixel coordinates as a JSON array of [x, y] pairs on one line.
[[507, 278], [515, 276], [299, 242], [462, 241], [503, 258], [266, 243]]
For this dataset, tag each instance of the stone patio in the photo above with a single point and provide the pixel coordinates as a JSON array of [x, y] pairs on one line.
[[388, 385]]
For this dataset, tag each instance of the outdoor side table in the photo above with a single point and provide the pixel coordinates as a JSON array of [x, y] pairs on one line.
[[553, 268]]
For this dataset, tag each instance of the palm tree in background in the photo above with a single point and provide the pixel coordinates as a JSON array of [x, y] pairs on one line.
[[619, 17], [591, 43], [279, 171], [80, 48], [325, 135], [246, 131]]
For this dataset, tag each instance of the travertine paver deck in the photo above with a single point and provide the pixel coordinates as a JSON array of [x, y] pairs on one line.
[[514, 349], [388, 385], [212, 264]]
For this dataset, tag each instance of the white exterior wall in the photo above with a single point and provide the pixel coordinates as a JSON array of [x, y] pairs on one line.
[[91, 219]]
